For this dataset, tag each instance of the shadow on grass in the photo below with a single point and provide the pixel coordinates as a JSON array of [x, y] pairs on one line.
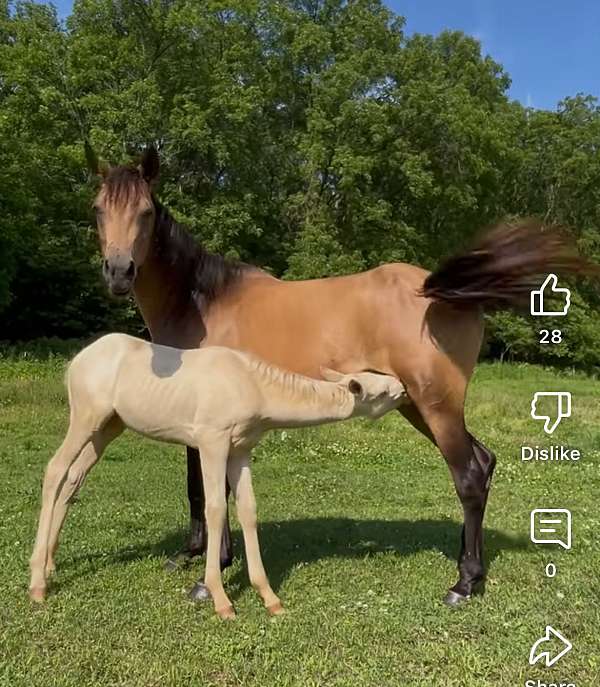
[[285, 544]]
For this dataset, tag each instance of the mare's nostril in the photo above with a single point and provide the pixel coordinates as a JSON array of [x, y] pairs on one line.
[[130, 270], [105, 266]]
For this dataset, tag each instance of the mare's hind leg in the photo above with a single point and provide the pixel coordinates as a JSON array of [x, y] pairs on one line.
[[413, 415], [472, 466], [76, 475]]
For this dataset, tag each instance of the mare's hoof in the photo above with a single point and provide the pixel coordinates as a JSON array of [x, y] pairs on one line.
[[226, 613], [455, 600], [37, 594], [199, 593], [275, 609]]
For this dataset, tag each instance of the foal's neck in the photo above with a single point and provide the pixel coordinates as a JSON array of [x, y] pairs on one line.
[[294, 400]]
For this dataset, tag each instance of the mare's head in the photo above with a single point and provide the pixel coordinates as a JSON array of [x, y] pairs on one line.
[[125, 216], [374, 394]]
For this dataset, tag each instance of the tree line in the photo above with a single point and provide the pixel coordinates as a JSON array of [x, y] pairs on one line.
[[311, 137]]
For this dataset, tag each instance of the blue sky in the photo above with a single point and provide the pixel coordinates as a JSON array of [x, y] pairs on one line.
[[551, 48]]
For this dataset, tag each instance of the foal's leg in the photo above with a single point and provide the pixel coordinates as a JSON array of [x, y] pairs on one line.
[[240, 478], [76, 475], [77, 436], [197, 542], [214, 467]]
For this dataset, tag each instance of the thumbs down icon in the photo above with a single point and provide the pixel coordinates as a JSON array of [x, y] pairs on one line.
[[559, 406], [550, 648], [550, 291]]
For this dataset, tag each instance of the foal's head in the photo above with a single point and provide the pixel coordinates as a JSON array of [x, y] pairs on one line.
[[374, 394], [125, 215]]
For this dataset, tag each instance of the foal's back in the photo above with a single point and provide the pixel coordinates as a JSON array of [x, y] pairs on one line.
[[161, 392]]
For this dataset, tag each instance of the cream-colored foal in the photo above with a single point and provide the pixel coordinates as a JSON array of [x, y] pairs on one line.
[[217, 399]]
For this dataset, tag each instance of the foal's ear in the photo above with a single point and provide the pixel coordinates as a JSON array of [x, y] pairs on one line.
[[355, 387], [95, 167], [149, 165], [331, 375]]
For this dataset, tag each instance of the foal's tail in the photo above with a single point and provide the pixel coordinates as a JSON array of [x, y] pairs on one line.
[[505, 265]]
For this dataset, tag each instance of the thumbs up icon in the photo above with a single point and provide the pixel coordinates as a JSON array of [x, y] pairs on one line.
[[549, 291]]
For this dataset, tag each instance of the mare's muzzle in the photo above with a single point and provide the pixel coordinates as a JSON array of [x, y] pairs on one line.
[[119, 273]]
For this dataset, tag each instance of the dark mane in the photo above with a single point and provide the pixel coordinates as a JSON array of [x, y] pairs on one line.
[[205, 276]]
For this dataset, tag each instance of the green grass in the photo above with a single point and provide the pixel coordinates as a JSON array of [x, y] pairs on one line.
[[360, 527]]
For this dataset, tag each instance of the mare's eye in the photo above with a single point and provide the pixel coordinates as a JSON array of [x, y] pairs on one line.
[[146, 213]]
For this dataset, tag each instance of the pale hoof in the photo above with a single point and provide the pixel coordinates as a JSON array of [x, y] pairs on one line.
[[275, 609], [226, 613], [37, 594]]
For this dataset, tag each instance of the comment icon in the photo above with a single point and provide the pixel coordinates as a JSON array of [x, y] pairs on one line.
[[551, 526]]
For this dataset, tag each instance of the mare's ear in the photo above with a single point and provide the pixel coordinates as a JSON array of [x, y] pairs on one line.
[[355, 387], [149, 165], [95, 167], [331, 375]]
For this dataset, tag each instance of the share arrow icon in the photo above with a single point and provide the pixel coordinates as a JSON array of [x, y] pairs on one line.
[[542, 651]]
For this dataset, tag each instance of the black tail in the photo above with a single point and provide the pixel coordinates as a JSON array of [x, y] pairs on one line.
[[505, 265]]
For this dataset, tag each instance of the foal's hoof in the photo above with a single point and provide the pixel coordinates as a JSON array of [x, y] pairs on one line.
[[37, 594], [226, 613], [455, 600], [199, 593], [275, 609]]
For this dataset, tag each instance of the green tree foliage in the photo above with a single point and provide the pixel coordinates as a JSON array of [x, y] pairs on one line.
[[311, 137], [49, 270]]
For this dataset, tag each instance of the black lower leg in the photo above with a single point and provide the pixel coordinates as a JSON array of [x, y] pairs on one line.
[[195, 490], [472, 479], [226, 554]]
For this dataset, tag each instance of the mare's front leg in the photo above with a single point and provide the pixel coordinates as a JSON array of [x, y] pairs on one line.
[[195, 490]]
